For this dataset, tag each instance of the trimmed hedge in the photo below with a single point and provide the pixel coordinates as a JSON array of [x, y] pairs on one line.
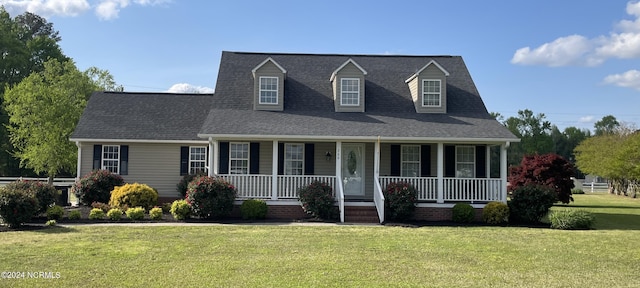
[[317, 200], [463, 213], [134, 195]]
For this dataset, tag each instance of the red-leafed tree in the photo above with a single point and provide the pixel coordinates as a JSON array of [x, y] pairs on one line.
[[549, 170]]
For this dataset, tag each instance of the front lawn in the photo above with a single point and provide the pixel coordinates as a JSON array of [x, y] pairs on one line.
[[332, 255]]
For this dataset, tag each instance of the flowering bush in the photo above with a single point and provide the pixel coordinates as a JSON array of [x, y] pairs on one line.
[[183, 185], [133, 195], [399, 201], [17, 206], [210, 197], [96, 186], [180, 210], [317, 200]]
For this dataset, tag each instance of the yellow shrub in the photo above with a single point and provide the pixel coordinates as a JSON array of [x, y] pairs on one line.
[[134, 195]]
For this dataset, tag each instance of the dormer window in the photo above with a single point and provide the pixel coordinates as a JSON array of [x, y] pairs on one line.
[[350, 92], [431, 93], [268, 90]]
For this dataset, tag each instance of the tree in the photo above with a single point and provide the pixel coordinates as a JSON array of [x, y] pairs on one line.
[[611, 156], [566, 141], [533, 131], [43, 110], [607, 125], [550, 170]]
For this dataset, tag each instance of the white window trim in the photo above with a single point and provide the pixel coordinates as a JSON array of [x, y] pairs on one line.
[[473, 170], [342, 92], [191, 161], [104, 159], [268, 90], [430, 93], [248, 156], [402, 160], [288, 163]]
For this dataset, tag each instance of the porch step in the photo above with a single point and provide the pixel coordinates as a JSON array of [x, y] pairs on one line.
[[361, 214]]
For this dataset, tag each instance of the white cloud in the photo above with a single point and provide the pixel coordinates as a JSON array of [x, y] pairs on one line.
[[629, 79], [586, 119], [188, 88], [579, 50], [104, 9]]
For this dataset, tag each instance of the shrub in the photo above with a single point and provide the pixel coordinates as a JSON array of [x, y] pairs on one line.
[[114, 214], [549, 170], [210, 197], [399, 201], [96, 186], [530, 203], [96, 214], [75, 215], [45, 193], [571, 219], [136, 213], [17, 206], [134, 195], [51, 222], [577, 191], [183, 185], [180, 210], [463, 213], [253, 209], [155, 213], [495, 213], [166, 207], [317, 200], [55, 212], [103, 206]]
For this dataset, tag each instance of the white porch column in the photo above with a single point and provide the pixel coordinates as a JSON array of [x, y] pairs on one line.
[[488, 160], [274, 170], [339, 160], [214, 154], [79, 164], [440, 173], [376, 160], [503, 170]]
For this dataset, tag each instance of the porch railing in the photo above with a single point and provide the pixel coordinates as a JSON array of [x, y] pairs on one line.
[[288, 185], [378, 198], [427, 187], [251, 186], [472, 189]]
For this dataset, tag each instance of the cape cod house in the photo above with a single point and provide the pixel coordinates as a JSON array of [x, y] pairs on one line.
[[279, 121]]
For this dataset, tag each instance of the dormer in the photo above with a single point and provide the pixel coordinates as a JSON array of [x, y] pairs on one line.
[[348, 87], [428, 88], [268, 86]]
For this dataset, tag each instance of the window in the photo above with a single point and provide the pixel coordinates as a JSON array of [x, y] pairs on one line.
[[350, 92], [197, 159], [410, 161], [431, 93], [239, 158], [465, 161], [293, 159], [111, 158], [268, 90]]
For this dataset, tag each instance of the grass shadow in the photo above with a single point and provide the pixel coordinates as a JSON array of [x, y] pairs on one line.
[[615, 221]]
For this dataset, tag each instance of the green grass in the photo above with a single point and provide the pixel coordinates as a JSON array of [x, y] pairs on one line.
[[335, 256]]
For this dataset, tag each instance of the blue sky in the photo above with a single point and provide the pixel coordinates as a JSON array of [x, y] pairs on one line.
[[574, 61]]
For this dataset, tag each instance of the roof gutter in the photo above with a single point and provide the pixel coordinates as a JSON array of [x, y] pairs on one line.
[[331, 138]]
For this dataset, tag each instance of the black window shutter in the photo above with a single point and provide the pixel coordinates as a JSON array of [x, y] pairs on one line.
[[280, 158], [449, 161], [308, 158], [223, 165], [254, 156], [97, 157], [124, 159], [395, 160], [184, 160], [425, 160], [481, 161]]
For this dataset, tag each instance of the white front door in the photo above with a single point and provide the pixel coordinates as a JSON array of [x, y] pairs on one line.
[[353, 169]]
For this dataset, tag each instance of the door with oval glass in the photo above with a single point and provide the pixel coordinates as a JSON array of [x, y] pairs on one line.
[[353, 169]]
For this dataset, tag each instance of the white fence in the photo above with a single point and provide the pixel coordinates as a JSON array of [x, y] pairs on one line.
[[58, 182]]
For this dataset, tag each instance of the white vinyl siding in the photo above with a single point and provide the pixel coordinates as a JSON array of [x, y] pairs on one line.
[[465, 161], [239, 158], [197, 159], [350, 91], [111, 158], [410, 161], [431, 93], [268, 90], [293, 159]]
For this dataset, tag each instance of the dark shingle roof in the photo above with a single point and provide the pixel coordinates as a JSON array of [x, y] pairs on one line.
[[143, 116], [308, 100]]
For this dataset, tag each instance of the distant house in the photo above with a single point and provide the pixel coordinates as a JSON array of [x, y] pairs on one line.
[[279, 121]]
